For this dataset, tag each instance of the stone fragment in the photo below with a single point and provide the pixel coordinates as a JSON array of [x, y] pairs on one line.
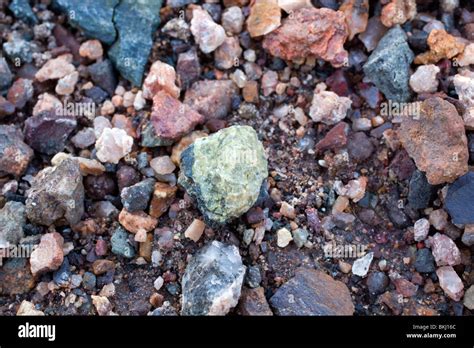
[[163, 196], [102, 305], [468, 235], [207, 34], [12, 220], [420, 191], [334, 139], [444, 250], [374, 32], [15, 155], [177, 28], [265, 17], [48, 256], [137, 197], [84, 138], [137, 222], [20, 92], [469, 298], [361, 266], [28, 308], [188, 68], [356, 13], [66, 84], [398, 12], [228, 54], [183, 143], [91, 49], [212, 281], [424, 262], [459, 199], [424, 79], [290, 6], [16, 277], [56, 68], [284, 237], [162, 165], [113, 144], [421, 229], [120, 243], [233, 20], [450, 282], [355, 189], [103, 75], [6, 77], [442, 45], [195, 230], [329, 108], [253, 303], [467, 57], [22, 10], [161, 77], [359, 147]]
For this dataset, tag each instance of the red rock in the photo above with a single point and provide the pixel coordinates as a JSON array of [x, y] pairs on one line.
[[444, 250], [398, 12], [334, 139], [310, 32], [402, 165], [253, 302], [15, 155], [188, 68], [357, 16], [172, 119], [450, 282], [20, 92], [405, 287], [436, 141], [48, 256], [161, 77]]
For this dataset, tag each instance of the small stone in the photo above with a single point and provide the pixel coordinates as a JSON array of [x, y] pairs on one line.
[[357, 15], [195, 230], [310, 32], [161, 77], [102, 266], [265, 17], [56, 68], [121, 245], [468, 235], [398, 12], [300, 237], [16, 277], [224, 172], [424, 262], [361, 266], [253, 303], [20, 93], [405, 287], [344, 267], [6, 108], [212, 281], [445, 251], [6, 76], [459, 198], [439, 219], [103, 75], [341, 204], [287, 211], [162, 165], [102, 305], [28, 308], [469, 298], [22, 10], [163, 196], [467, 57], [67, 83], [421, 229], [290, 6], [137, 222], [158, 283], [359, 147], [420, 191], [424, 80], [377, 282], [355, 189], [48, 256], [207, 34], [450, 282], [284, 237], [84, 138], [100, 123], [329, 108], [334, 139], [137, 197], [15, 155], [177, 28], [312, 292], [113, 144], [233, 20], [89, 281], [188, 68], [91, 49], [56, 194], [228, 54], [12, 220], [442, 45]]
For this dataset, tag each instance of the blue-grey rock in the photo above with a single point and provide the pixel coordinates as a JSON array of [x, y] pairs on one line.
[[12, 220], [136, 22], [6, 76], [121, 245], [22, 10], [179, 3], [424, 262], [93, 17], [103, 75], [253, 277], [89, 281], [212, 280], [377, 282], [62, 276], [388, 66], [459, 202], [137, 197], [420, 191], [18, 49]]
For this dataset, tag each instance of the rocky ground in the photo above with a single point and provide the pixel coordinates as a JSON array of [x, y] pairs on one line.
[[263, 157]]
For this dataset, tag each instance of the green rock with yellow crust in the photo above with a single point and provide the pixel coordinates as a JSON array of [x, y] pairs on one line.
[[224, 173]]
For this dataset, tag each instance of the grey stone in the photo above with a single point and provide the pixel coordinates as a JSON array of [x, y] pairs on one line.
[[300, 237], [253, 277], [137, 197], [89, 281], [62, 276], [12, 220], [15, 155], [459, 201], [18, 49], [377, 282], [420, 191], [6, 76], [424, 262], [121, 245], [212, 280], [103, 75], [22, 10]]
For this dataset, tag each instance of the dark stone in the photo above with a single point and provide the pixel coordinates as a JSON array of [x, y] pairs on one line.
[[62, 276], [188, 68], [12, 220], [6, 77], [103, 75], [402, 165], [97, 94], [424, 262], [419, 40], [359, 147], [388, 66], [127, 176], [16, 277], [22, 10], [420, 192], [98, 187], [459, 201], [377, 282], [398, 217], [137, 197], [253, 278], [89, 281]]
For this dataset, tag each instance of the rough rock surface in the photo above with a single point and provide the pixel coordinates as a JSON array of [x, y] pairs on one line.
[[253, 303], [398, 12], [137, 197], [329, 108], [312, 292], [445, 251], [265, 17], [56, 194], [206, 32], [310, 32], [450, 282], [12, 220], [15, 155], [161, 77], [224, 172], [357, 16], [460, 198], [113, 144], [424, 79], [212, 281], [442, 45], [48, 256], [16, 277], [436, 141]]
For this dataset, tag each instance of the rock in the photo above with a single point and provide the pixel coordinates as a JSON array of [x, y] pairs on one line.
[[56, 68], [334, 139], [12, 220], [137, 222], [183, 143], [439, 219], [188, 68], [355, 189], [91, 49], [207, 34], [84, 138], [458, 199], [6, 108], [28, 308], [442, 45], [19, 48], [469, 298], [359, 147], [163, 196], [212, 281], [310, 32], [227, 55], [287, 211], [211, 98], [6, 77], [374, 32], [20, 92], [468, 235], [162, 165], [102, 266], [253, 303], [420, 191], [16, 277], [405, 287], [161, 77], [103, 75], [312, 292], [177, 28], [424, 262], [464, 86], [113, 144], [398, 12], [48, 256], [130, 52], [67, 84], [120, 243], [436, 141], [424, 80], [361, 266], [265, 17], [22, 10], [300, 237], [224, 172], [102, 305], [47, 132], [329, 108], [172, 119], [467, 57], [377, 282], [356, 13], [95, 19], [445, 251], [233, 20], [56, 194], [284, 237], [388, 67], [421, 229], [137, 197], [15, 155], [450, 282], [195, 230]]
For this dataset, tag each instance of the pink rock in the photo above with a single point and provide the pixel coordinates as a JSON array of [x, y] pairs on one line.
[[334, 139], [450, 282], [398, 12], [327, 107], [55, 68], [113, 144], [227, 55], [48, 256], [20, 92], [265, 17], [161, 77], [207, 33], [444, 250], [91, 49], [269, 82]]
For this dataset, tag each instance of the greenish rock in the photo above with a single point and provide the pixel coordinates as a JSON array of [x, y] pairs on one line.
[[136, 21], [300, 237], [148, 137], [12, 220], [224, 173], [388, 67], [93, 17], [121, 245], [22, 10]]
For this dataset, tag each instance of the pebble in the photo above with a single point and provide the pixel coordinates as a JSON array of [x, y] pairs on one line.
[[444, 250], [450, 282], [28, 308], [20, 92], [56, 68], [467, 57], [91, 49], [89, 281], [113, 144], [137, 197], [459, 199], [421, 229], [103, 75], [334, 139], [195, 230], [265, 17], [120, 243], [137, 223], [469, 298], [162, 165], [162, 77], [377, 282], [22, 10], [359, 147], [355, 189], [468, 235], [102, 305], [442, 45], [424, 79], [284, 237], [158, 283], [224, 172], [15, 154], [6, 77], [233, 20], [16, 277], [188, 68], [207, 34], [48, 256], [212, 281], [329, 108], [66, 84], [312, 292], [102, 266], [361, 266], [310, 32], [12, 220], [300, 237], [439, 219], [357, 15], [420, 191], [228, 54], [287, 211], [183, 143], [177, 28], [84, 138], [253, 303], [398, 12], [424, 262]]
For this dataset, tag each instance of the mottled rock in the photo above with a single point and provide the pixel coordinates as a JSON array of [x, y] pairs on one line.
[[398, 12], [161, 77], [421, 229], [195, 230], [253, 303], [377, 282], [91, 49], [56, 194], [16, 277], [424, 79], [163, 196], [265, 17], [329, 108], [66, 84], [357, 16], [137, 222], [459, 199], [227, 55], [469, 298], [436, 141], [177, 28], [20, 92], [212, 281], [120, 243], [12, 220], [22, 10], [188, 68], [15, 155], [374, 32], [224, 172], [137, 197], [48, 256], [28, 308], [442, 45], [310, 32], [184, 142], [113, 144], [468, 235], [450, 282], [207, 34], [56, 68], [445, 251], [84, 138], [312, 292]]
